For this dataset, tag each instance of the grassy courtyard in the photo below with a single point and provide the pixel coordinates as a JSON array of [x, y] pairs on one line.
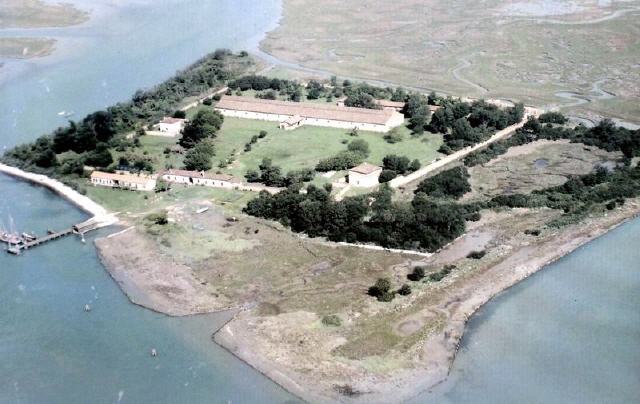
[[305, 146]]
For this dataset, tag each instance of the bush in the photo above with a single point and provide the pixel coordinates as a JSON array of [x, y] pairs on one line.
[[393, 137], [159, 218], [262, 134], [381, 290], [553, 117], [359, 146], [332, 320], [180, 114], [476, 255], [417, 274], [404, 290], [387, 175]]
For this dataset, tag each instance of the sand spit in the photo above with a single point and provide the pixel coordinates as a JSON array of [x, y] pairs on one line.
[[99, 213]]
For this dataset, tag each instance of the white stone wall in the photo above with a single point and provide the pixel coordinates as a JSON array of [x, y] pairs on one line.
[[364, 180]]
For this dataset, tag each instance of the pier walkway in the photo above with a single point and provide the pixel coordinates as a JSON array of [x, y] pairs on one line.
[[80, 229]]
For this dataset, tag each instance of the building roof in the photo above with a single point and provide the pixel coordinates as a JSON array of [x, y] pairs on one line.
[[293, 120], [306, 110], [130, 178], [200, 174], [365, 168], [390, 104], [170, 120]]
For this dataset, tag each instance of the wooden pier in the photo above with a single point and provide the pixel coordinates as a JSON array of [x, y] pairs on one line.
[[79, 229]]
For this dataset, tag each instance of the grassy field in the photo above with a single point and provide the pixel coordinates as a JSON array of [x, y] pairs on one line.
[[524, 51], [305, 146]]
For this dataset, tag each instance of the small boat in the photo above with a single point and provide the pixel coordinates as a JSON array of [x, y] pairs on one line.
[[202, 210], [87, 308], [28, 237], [154, 353], [10, 238]]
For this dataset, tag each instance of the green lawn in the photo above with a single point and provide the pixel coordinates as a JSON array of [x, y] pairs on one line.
[[305, 146]]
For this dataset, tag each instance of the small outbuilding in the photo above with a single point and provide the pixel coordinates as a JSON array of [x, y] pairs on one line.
[[124, 180], [365, 175], [171, 126], [291, 123]]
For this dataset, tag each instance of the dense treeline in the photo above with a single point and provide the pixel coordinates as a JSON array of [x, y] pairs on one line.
[[604, 135], [465, 124], [422, 224], [91, 138], [356, 152]]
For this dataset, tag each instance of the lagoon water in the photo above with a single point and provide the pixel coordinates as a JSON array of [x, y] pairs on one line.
[[568, 334]]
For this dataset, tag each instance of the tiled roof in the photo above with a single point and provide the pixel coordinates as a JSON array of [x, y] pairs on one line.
[[306, 110], [131, 178], [365, 168]]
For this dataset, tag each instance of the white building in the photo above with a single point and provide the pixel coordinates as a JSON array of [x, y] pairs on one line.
[[124, 180], [171, 126], [200, 178], [365, 175], [318, 114], [291, 123]]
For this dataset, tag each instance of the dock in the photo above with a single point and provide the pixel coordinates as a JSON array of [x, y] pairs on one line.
[[80, 229]]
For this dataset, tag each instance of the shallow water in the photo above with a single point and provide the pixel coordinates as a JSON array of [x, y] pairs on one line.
[[568, 334]]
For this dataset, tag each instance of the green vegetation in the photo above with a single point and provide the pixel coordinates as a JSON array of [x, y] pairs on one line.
[[417, 274], [204, 125], [382, 290], [198, 158], [393, 165], [94, 139], [422, 224], [332, 320], [451, 183], [306, 146], [604, 135], [440, 275], [271, 175]]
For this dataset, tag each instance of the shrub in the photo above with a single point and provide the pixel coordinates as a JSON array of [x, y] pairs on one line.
[[359, 146], [381, 288], [332, 320], [417, 274], [180, 114], [404, 290], [159, 218], [393, 137], [263, 133], [387, 175], [532, 232], [476, 255]]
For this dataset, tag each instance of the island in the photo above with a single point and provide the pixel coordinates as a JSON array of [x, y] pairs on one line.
[[352, 228]]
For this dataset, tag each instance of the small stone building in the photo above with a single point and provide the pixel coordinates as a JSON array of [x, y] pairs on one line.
[[124, 180], [199, 178], [364, 175], [295, 121], [171, 126]]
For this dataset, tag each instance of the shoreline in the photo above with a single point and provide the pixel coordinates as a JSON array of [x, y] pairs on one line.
[[442, 347], [98, 213]]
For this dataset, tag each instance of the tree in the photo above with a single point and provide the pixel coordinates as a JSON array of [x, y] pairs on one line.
[[180, 114], [162, 185], [205, 124], [399, 164], [387, 175], [198, 158], [404, 290], [100, 156]]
